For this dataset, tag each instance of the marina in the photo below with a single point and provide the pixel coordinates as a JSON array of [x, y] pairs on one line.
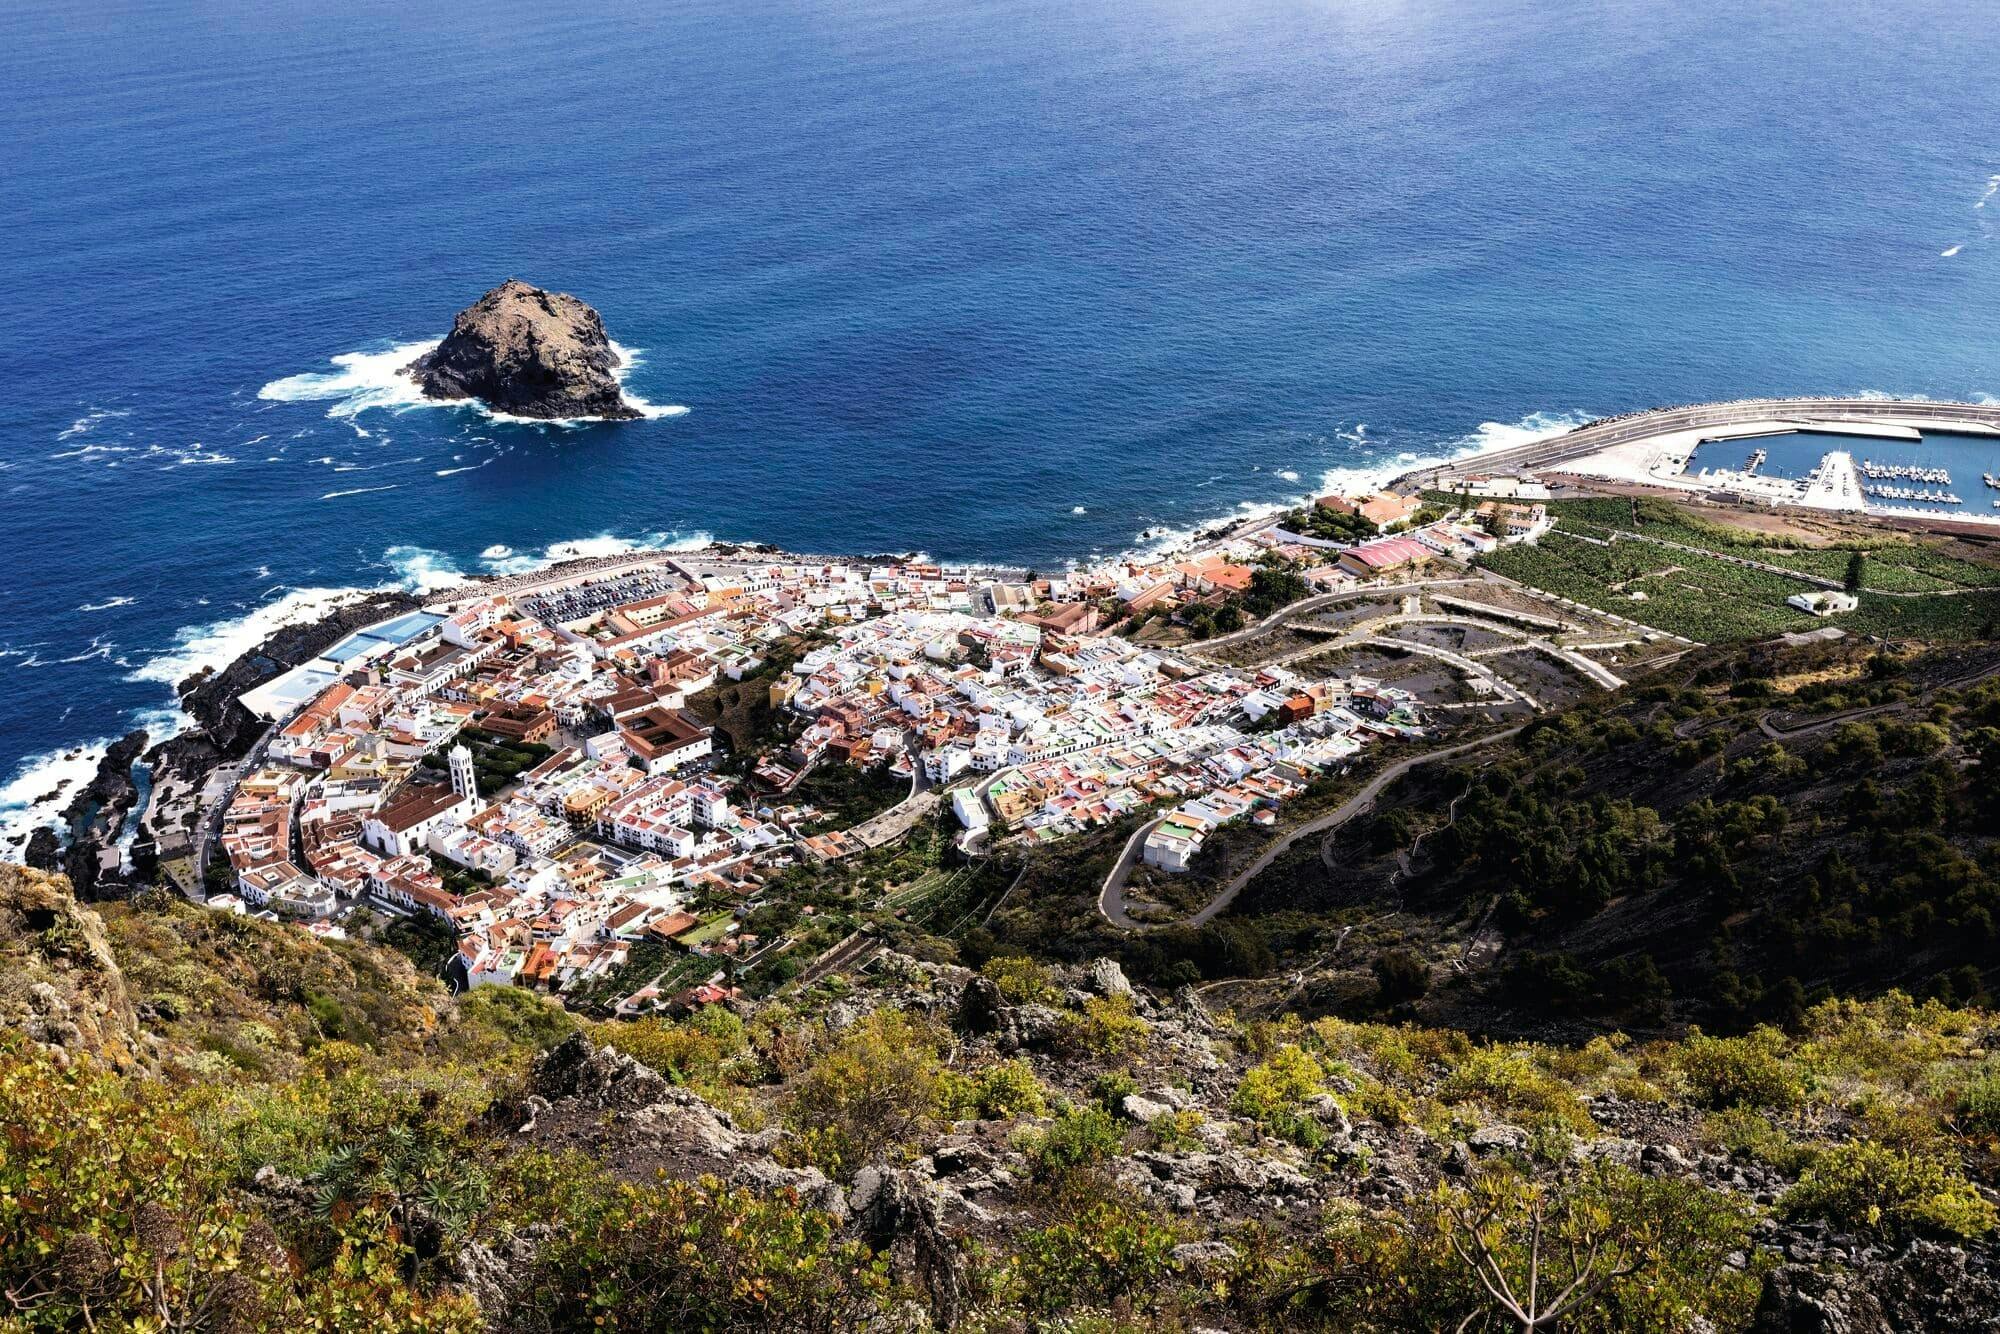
[[1839, 469]]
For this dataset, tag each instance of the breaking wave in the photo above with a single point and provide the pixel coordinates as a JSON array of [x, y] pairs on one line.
[[361, 381], [219, 643]]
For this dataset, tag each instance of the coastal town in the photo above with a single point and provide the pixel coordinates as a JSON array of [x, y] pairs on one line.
[[622, 778], [539, 767]]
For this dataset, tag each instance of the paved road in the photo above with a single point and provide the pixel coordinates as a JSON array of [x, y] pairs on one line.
[[1111, 899]]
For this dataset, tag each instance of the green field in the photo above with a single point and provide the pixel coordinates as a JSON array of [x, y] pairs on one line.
[[1714, 601]]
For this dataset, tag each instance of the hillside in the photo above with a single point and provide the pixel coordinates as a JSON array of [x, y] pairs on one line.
[[258, 1129], [1753, 829]]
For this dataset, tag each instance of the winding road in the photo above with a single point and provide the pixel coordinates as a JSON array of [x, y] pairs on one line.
[[1111, 898]]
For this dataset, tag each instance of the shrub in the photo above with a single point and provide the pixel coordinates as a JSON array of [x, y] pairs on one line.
[[1748, 1071], [116, 1213], [1976, 1099], [1400, 976], [691, 1052], [1274, 1094], [1109, 1253], [696, 1255], [1080, 1137], [1021, 980], [1000, 1092], [1662, 1244], [875, 1089], [1111, 1087], [1106, 1028], [1887, 1190], [1509, 1081]]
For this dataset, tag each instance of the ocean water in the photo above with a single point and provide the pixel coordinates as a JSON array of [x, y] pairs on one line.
[[1018, 278]]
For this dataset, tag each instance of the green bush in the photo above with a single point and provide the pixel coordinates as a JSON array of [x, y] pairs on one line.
[[1107, 1028], [1000, 1092], [1748, 1071], [1274, 1094], [1080, 1137], [873, 1091], [1021, 980], [1887, 1190], [1108, 1253]]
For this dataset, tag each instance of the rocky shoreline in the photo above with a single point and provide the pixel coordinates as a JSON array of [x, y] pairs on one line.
[[92, 822]]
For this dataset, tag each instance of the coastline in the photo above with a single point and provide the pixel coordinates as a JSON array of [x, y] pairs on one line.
[[201, 743]]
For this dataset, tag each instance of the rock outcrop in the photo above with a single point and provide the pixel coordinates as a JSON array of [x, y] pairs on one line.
[[65, 989], [527, 352]]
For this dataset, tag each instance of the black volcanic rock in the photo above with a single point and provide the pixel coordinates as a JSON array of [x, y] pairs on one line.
[[527, 352]]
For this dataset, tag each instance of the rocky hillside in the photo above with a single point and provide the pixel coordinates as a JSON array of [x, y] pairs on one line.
[[527, 352], [236, 1126]]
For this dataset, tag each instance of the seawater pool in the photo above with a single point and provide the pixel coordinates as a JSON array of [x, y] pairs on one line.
[[1794, 454]]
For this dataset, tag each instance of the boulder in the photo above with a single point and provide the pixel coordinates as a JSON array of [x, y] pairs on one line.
[[1500, 1138]]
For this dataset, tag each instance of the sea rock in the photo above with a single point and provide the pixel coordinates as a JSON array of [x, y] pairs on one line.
[[527, 352]]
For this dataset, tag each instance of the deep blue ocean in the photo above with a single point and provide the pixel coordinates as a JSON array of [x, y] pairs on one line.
[[1016, 278]]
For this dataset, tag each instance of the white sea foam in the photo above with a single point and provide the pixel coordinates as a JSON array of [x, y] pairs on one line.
[[100, 647], [107, 604], [219, 643], [88, 421], [501, 559], [1078, 509], [469, 467], [365, 380], [91, 451], [360, 381], [40, 787], [1489, 437], [359, 491], [421, 570], [1288, 475], [1947, 254], [1992, 188]]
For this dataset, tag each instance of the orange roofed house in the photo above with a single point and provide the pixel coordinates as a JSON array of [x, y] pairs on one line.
[[1384, 509]]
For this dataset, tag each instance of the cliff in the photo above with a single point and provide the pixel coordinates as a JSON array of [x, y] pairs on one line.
[[527, 352]]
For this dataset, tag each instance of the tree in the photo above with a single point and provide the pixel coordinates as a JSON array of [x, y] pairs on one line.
[[1400, 976], [1561, 1251], [1857, 569]]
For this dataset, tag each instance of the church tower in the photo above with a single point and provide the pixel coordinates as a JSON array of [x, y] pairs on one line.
[[463, 780]]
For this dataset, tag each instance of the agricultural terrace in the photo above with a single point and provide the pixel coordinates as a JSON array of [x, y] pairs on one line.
[[1695, 577]]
